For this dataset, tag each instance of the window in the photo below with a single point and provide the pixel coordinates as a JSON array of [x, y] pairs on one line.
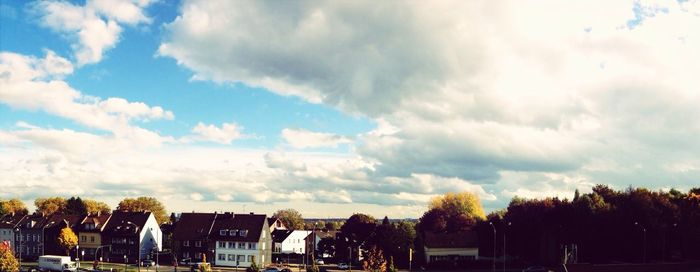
[[221, 244], [231, 244], [231, 257], [83, 238], [240, 258], [222, 232], [243, 233], [263, 246], [250, 258], [186, 243], [186, 255], [92, 239], [241, 245], [198, 255], [263, 234], [222, 257], [251, 245], [131, 241], [198, 243], [233, 232]]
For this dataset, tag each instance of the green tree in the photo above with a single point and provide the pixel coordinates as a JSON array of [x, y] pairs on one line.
[[392, 267], [331, 225], [291, 218], [8, 262], [50, 205], [326, 246], [75, 205], [144, 203], [67, 239]]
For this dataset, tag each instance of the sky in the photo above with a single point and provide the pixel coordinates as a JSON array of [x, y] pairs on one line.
[[339, 107]]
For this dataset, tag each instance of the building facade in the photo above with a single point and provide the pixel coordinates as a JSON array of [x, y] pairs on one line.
[[241, 239], [8, 224], [89, 232], [132, 236], [451, 247], [191, 237]]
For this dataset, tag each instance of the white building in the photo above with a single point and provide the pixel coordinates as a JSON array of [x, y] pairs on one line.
[[241, 239], [451, 247], [295, 242]]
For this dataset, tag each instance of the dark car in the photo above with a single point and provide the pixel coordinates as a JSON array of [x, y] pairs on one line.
[[147, 263]]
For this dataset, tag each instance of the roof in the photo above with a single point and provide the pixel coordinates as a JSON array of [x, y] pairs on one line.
[[252, 223], [98, 219], [193, 226], [122, 222], [461, 239], [10, 221], [56, 218], [278, 236], [326, 233]]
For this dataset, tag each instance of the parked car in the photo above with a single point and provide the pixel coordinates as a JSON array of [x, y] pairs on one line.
[[343, 266], [147, 263], [271, 269], [535, 269], [319, 261], [286, 270]]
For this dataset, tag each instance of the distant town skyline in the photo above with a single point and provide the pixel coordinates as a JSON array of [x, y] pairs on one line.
[[335, 107]]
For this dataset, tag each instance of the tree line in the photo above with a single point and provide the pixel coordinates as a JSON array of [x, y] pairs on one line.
[[80, 206]]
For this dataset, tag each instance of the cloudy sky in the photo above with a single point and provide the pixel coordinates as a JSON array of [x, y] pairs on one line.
[[335, 107]]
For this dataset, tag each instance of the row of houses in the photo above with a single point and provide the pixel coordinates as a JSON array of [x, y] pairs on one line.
[[119, 236], [223, 239]]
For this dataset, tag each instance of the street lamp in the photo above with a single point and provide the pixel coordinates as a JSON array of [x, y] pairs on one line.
[[644, 244], [20, 247], [138, 240], [494, 245], [43, 237], [504, 245]]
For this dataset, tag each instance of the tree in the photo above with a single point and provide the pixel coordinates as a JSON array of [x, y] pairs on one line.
[[50, 205], [464, 203], [144, 203], [67, 239], [327, 246], [12, 206], [75, 205], [392, 267], [291, 218], [359, 227], [331, 226], [93, 206], [374, 262], [8, 262], [253, 267]]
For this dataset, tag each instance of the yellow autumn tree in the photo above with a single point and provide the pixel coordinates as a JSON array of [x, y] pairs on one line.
[[144, 203], [50, 205], [8, 262], [464, 203], [67, 239]]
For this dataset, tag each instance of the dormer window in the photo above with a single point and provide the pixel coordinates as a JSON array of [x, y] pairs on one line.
[[233, 232], [243, 233], [223, 232]]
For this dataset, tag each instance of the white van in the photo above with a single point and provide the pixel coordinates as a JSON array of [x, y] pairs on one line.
[[56, 263]]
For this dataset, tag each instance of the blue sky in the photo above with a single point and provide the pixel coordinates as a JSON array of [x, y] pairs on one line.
[[341, 107]]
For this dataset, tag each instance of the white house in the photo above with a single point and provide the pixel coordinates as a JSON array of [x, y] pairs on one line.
[[451, 247], [132, 234], [295, 242], [241, 239]]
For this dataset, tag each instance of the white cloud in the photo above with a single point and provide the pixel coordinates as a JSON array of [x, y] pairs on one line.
[[302, 138], [95, 27], [227, 133], [472, 90], [31, 83]]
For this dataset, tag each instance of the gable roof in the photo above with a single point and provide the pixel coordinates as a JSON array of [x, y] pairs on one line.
[[461, 239], [119, 222], [98, 219], [253, 223], [10, 221], [57, 219], [193, 226], [278, 236]]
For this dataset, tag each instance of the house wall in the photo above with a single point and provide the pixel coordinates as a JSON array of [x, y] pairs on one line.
[[151, 237], [295, 242], [8, 235], [232, 254], [454, 252]]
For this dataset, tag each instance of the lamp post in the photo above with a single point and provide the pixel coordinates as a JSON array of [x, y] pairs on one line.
[[126, 261], [19, 245], [43, 237], [644, 244], [98, 249], [494, 245], [138, 240], [504, 245]]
